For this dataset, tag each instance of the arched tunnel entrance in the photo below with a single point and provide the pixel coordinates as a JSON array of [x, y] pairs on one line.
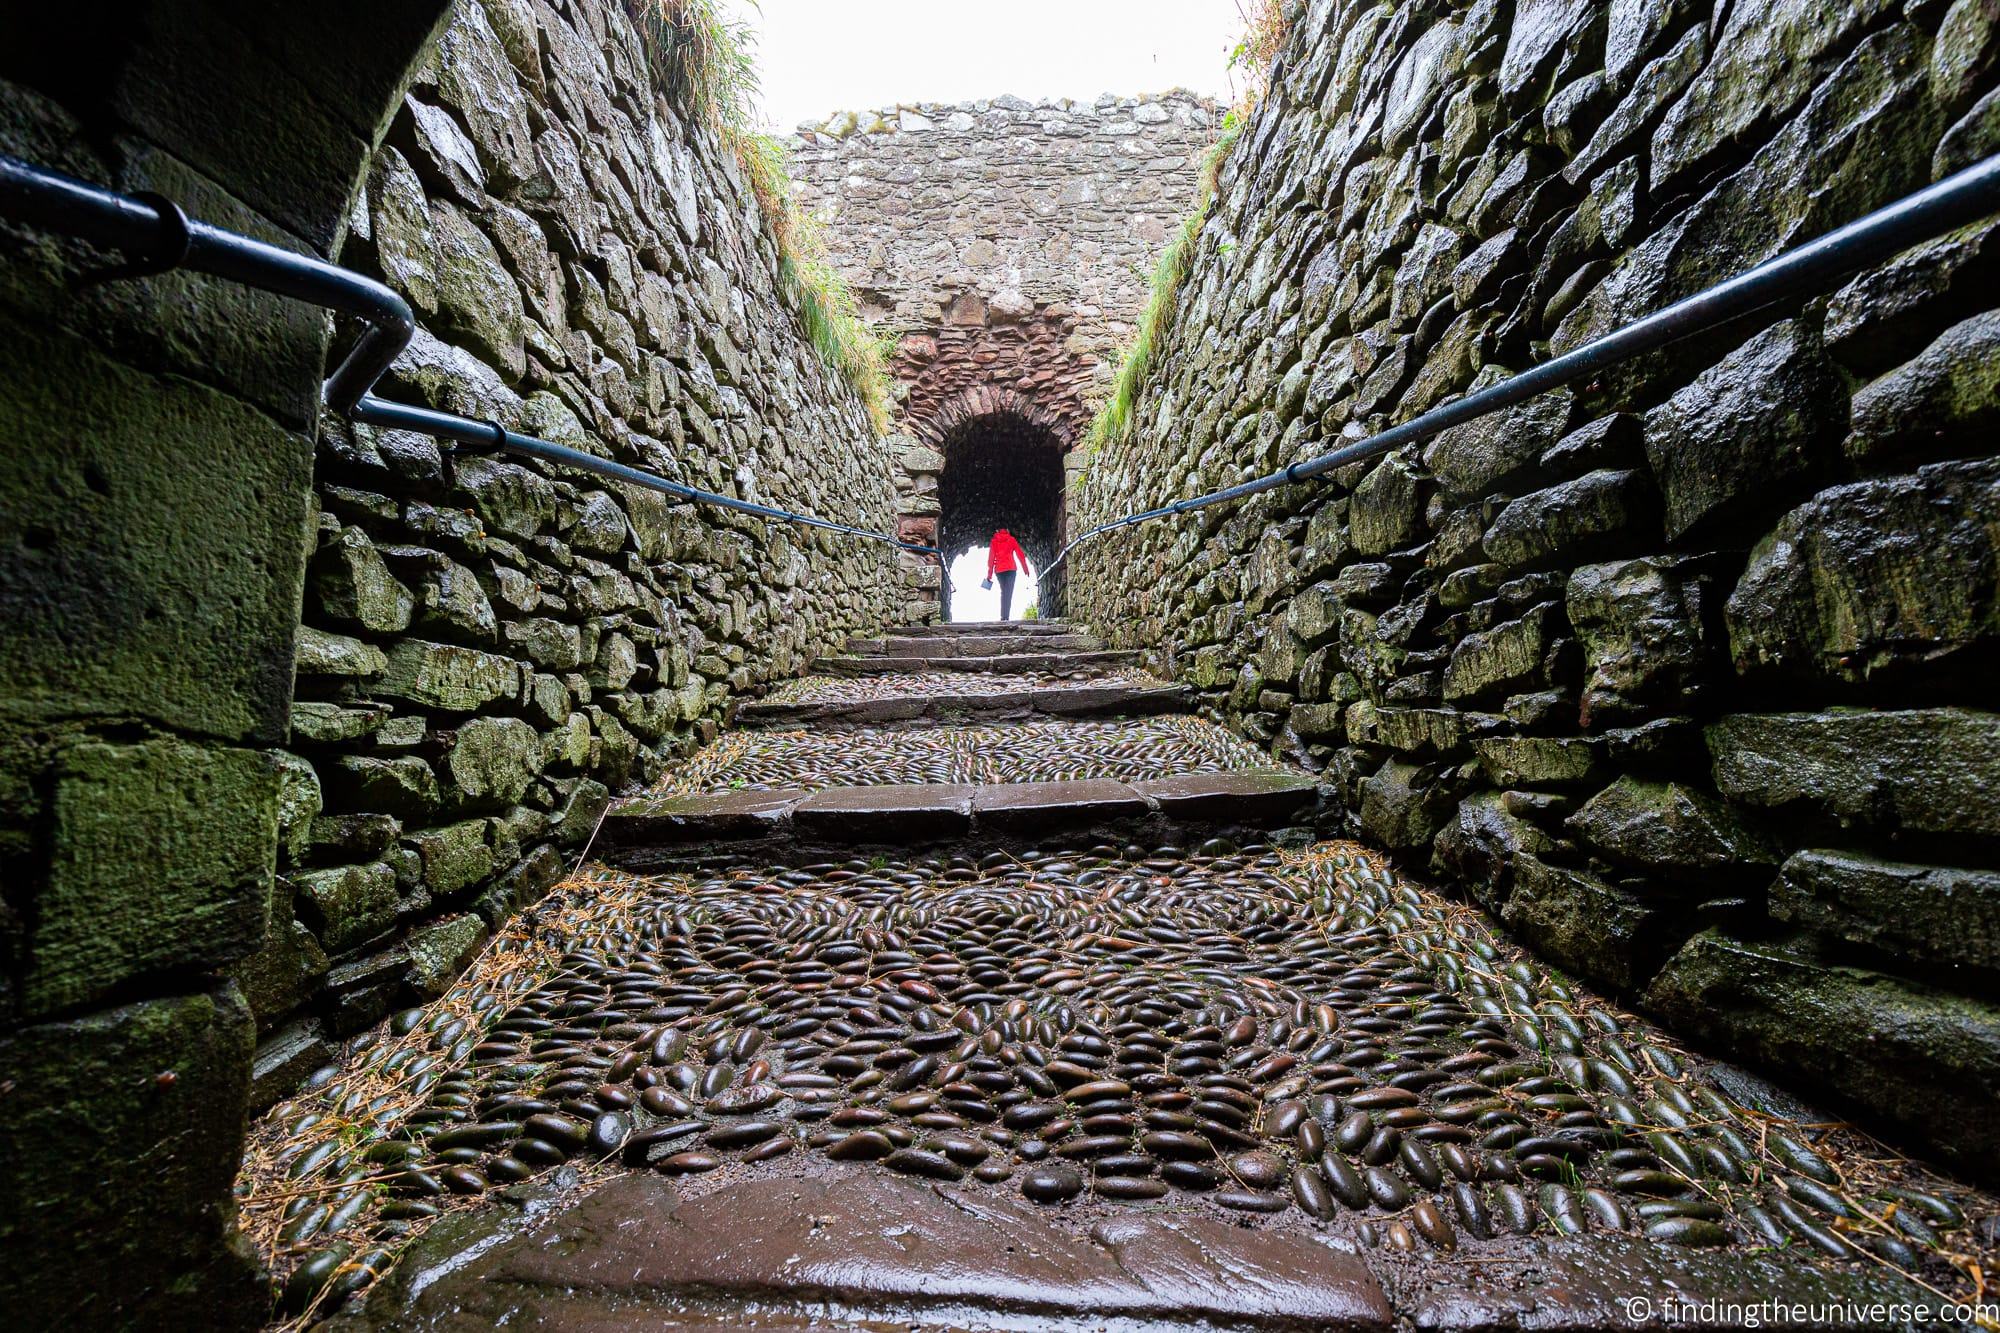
[[1002, 469]]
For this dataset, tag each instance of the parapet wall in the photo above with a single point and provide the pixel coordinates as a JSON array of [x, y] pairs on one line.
[[1686, 674], [1007, 245], [492, 648]]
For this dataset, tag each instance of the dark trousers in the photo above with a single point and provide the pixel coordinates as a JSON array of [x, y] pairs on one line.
[[1006, 577]]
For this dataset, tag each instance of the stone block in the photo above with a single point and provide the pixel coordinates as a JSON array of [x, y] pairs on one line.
[[320, 653], [1647, 635], [161, 858], [299, 802], [1400, 808], [439, 952], [333, 724], [347, 905], [1431, 732], [491, 762], [354, 586], [1596, 930], [1489, 454], [1897, 577], [1757, 428], [447, 677], [455, 856], [1501, 660], [1930, 770], [403, 786], [164, 585], [1928, 914], [1038, 806], [1540, 761], [1921, 1060], [1386, 510], [509, 498], [1599, 512], [1670, 827], [886, 814], [120, 1136]]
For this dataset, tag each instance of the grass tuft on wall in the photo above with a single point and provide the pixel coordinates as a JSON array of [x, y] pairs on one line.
[[704, 65], [1266, 25]]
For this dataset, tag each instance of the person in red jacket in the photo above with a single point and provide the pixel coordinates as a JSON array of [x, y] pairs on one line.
[[1004, 557]]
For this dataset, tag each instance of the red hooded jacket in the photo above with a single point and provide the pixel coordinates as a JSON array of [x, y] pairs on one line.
[[1004, 555]]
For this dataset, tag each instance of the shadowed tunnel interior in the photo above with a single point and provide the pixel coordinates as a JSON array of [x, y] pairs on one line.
[[1002, 470]]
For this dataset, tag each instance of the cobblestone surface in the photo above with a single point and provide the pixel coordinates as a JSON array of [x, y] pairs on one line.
[[896, 685], [1298, 1037], [1024, 752]]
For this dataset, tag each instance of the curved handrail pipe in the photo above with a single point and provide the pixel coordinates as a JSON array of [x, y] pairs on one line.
[[159, 237], [1809, 270]]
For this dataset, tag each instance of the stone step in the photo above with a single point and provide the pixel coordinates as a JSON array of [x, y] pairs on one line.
[[849, 1248], [1096, 660], [976, 627], [937, 812], [959, 708], [972, 645]]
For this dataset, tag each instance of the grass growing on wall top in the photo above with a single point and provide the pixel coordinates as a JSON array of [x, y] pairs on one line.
[[1266, 25], [1114, 419], [703, 65]]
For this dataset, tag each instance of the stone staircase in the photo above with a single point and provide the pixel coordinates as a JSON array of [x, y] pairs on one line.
[[947, 678], [1041, 1021]]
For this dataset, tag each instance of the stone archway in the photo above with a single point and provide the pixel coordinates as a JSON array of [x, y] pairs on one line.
[[155, 498], [1003, 467]]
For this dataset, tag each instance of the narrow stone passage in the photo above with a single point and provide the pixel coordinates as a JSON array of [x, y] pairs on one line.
[[932, 1021]]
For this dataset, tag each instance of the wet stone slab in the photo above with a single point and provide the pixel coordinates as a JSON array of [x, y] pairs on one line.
[[857, 1246], [1300, 1043]]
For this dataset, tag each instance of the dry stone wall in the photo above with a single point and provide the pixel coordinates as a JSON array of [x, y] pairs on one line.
[[1684, 674], [491, 648], [1007, 245]]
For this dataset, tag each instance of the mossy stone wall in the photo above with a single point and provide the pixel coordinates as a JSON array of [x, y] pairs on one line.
[[1684, 673]]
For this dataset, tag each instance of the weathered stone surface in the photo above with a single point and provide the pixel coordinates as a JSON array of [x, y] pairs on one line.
[[1472, 460], [355, 587], [86, 1100], [1540, 761], [1934, 770], [348, 905], [455, 856], [1577, 921], [1756, 427], [1399, 808], [438, 953], [1647, 632], [1670, 827], [1504, 659], [1898, 576], [443, 675], [162, 859], [1386, 510], [1573, 520], [492, 761], [1937, 405], [1921, 1058], [324, 654], [754, 1246], [403, 785], [1933, 914]]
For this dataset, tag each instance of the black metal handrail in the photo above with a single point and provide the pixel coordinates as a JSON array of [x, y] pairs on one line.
[[1809, 270], [159, 237]]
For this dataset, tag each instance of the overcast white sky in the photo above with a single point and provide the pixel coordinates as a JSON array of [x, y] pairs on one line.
[[821, 56]]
